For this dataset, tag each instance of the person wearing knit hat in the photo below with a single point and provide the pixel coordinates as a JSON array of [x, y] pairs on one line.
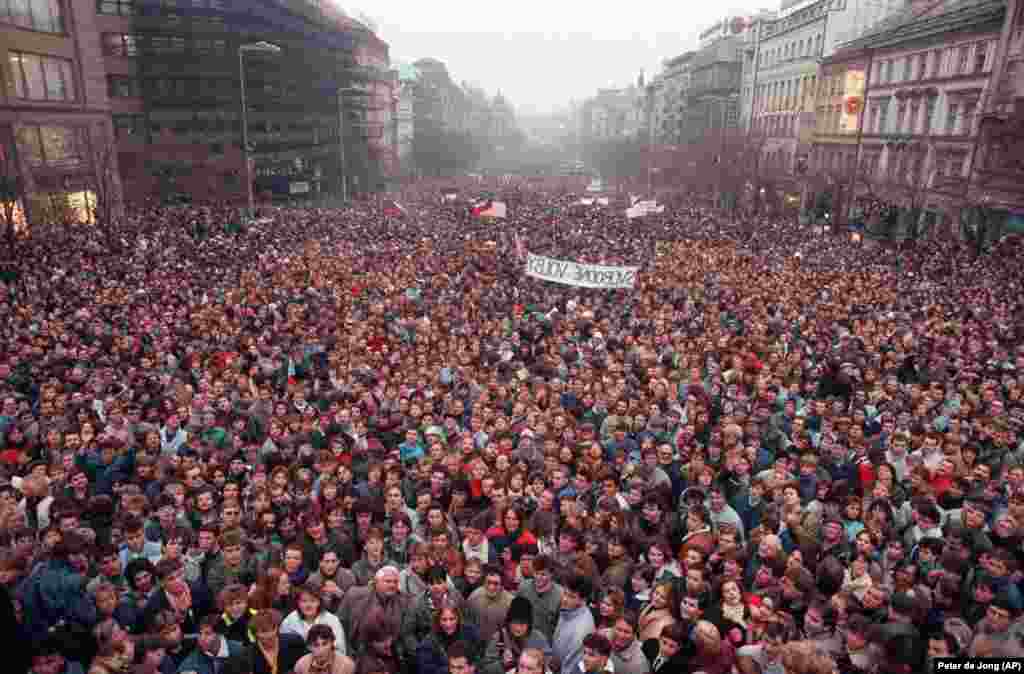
[[518, 634]]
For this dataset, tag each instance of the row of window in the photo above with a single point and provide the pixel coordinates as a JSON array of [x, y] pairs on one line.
[[898, 165], [129, 7], [42, 15], [788, 94], [964, 59], [41, 78], [793, 50], [777, 125], [220, 88], [129, 45], [215, 123], [41, 144], [918, 116]]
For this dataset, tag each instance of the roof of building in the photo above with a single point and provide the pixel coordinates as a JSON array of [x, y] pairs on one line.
[[921, 20]]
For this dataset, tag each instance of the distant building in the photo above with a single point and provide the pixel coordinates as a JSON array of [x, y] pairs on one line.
[[161, 78]]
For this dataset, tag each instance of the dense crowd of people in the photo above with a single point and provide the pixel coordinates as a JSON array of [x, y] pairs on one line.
[[333, 442]]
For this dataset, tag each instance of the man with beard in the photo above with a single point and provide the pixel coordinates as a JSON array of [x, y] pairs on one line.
[[508, 644]]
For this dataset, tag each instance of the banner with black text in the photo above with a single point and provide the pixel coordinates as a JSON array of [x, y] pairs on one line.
[[580, 275]]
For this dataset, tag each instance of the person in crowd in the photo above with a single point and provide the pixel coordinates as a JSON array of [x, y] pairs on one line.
[[323, 656], [518, 634], [780, 450], [449, 628], [575, 623]]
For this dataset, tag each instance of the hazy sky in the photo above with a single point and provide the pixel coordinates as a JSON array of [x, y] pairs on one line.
[[542, 53]]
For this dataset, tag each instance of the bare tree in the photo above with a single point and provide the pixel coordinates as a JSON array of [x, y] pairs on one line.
[[105, 182]]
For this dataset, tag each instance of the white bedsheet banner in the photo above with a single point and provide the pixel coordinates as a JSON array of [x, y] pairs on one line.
[[580, 275]]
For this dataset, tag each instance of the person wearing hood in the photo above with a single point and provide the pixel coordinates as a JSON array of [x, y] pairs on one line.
[[518, 634]]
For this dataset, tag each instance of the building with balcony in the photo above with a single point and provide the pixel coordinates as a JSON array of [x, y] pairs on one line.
[[712, 104], [404, 119], [998, 180], [899, 110], [783, 107], [671, 97], [615, 113], [55, 128]]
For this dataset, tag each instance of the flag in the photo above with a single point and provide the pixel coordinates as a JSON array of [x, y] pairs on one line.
[[393, 209], [491, 209]]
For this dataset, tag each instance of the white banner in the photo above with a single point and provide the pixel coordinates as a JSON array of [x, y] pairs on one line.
[[580, 275], [642, 208]]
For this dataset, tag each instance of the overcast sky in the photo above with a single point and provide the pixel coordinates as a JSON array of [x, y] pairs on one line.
[[542, 53]]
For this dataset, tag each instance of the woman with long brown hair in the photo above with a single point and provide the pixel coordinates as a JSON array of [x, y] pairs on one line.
[[272, 590]]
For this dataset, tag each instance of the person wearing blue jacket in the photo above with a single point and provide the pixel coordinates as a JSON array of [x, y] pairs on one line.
[[213, 651], [55, 592]]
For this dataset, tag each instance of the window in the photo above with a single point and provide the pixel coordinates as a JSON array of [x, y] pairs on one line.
[[964, 59], [908, 64], [883, 116], [120, 44], [969, 111], [119, 86], [166, 44], [53, 145], [936, 63], [42, 15], [956, 166], [901, 115], [116, 7], [126, 126], [922, 63], [915, 108], [209, 47], [888, 71], [980, 56], [42, 78], [952, 116], [875, 114], [929, 115]]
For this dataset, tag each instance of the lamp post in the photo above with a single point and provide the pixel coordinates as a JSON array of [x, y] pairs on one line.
[[264, 48]]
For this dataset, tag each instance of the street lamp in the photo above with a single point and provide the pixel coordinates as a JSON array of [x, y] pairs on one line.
[[263, 48]]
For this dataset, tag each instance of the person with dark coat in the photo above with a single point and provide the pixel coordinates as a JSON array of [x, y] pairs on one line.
[[449, 627], [175, 593], [55, 592], [517, 635], [273, 652], [671, 652]]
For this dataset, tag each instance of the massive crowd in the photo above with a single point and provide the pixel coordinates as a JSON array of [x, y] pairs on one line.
[[333, 442]]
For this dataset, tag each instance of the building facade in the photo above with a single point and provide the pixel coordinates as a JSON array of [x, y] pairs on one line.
[[715, 74], [166, 77], [614, 113], [910, 96], [55, 127], [670, 103]]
